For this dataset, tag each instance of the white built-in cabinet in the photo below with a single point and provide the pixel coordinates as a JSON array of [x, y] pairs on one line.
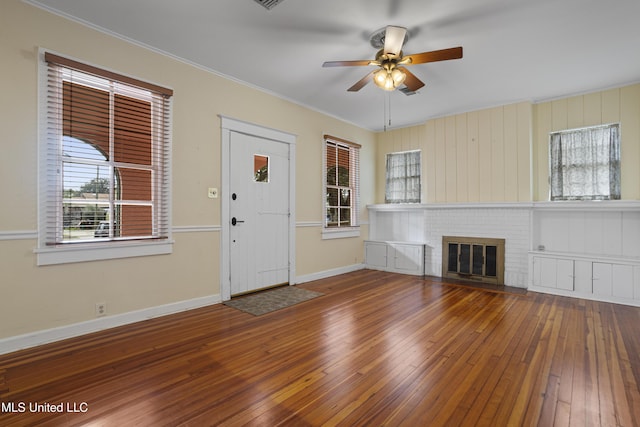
[[613, 280], [587, 249], [398, 257]]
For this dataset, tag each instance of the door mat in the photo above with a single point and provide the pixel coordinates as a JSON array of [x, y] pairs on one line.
[[272, 300]]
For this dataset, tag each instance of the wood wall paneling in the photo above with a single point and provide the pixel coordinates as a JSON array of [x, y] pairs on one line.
[[511, 152], [484, 156], [630, 141], [451, 159], [497, 155], [473, 166], [462, 156]]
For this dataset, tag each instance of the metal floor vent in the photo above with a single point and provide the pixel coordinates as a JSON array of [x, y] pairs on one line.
[[269, 4]]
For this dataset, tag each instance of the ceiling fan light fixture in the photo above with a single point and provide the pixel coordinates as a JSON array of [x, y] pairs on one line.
[[398, 76], [389, 79]]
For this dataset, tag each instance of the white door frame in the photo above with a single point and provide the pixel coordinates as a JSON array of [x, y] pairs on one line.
[[228, 126]]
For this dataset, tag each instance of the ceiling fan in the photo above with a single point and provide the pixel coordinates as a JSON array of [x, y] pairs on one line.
[[392, 71]]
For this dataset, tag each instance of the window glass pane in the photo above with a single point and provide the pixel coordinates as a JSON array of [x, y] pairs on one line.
[[332, 217], [82, 181], [260, 168], [332, 197], [345, 217], [133, 184], [132, 221], [343, 167], [345, 197], [331, 164], [79, 149], [81, 218]]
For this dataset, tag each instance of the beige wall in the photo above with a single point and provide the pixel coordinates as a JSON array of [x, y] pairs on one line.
[[501, 154], [37, 298], [620, 105], [481, 156]]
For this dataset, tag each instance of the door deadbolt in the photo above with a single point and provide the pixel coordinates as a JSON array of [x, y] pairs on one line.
[[234, 196]]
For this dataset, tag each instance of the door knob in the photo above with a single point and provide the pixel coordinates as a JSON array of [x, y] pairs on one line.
[[234, 221]]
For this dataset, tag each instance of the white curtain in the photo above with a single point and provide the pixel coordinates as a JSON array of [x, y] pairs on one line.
[[585, 164], [403, 177]]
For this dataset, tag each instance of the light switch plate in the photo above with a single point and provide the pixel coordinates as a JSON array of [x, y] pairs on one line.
[[213, 193]]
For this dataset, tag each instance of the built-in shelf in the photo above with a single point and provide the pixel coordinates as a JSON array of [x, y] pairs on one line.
[[399, 207], [589, 206]]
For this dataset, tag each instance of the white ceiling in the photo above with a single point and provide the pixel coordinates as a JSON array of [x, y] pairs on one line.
[[514, 50]]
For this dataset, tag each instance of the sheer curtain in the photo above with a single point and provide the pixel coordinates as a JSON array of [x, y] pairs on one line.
[[403, 177], [585, 164]]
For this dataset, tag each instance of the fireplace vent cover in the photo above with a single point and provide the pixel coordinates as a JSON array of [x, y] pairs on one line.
[[473, 258]]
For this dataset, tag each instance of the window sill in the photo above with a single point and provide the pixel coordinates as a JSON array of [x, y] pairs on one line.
[[97, 252], [328, 233]]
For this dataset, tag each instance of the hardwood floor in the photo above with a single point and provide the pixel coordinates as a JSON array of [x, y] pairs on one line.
[[376, 349]]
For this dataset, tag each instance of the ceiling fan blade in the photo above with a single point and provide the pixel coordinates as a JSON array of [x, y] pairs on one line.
[[394, 39], [434, 56], [361, 83], [411, 81], [347, 63]]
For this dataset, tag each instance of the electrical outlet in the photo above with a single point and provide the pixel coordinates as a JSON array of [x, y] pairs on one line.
[[101, 309]]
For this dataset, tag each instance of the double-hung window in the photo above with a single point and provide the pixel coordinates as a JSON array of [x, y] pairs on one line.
[[104, 164], [341, 187], [585, 163], [403, 177]]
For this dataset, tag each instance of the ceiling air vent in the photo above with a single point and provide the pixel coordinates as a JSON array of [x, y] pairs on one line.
[[269, 4], [407, 91]]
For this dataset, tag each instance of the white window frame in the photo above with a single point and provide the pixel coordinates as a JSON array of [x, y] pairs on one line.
[[616, 159], [404, 178], [354, 185], [48, 254]]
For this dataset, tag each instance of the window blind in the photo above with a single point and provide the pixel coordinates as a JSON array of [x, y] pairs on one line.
[[106, 158]]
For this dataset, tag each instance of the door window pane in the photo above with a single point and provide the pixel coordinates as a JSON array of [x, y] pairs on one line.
[[260, 168]]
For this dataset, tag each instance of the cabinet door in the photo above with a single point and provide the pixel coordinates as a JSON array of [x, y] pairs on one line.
[[622, 280], [564, 274], [375, 255], [408, 258], [544, 272], [582, 277], [602, 279]]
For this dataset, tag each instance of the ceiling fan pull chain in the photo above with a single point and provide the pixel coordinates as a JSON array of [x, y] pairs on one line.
[[388, 94]]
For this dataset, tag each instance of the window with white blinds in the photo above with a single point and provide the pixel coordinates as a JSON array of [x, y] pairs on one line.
[[341, 184], [105, 158]]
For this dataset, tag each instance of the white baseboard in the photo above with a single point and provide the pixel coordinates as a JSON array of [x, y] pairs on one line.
[[329, 273], [20, 342]]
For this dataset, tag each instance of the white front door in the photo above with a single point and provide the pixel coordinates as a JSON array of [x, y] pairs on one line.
[[258, 200]]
